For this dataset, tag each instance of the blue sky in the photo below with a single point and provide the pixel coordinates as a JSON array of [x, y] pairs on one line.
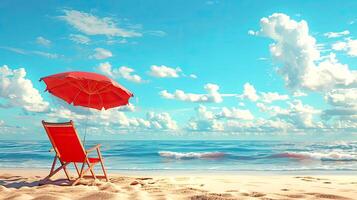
[[205, 70]]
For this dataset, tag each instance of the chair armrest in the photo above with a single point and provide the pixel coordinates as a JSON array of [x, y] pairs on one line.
[[93, 148]]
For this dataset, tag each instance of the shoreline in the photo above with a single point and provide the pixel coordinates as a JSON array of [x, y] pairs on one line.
[[202, 171]]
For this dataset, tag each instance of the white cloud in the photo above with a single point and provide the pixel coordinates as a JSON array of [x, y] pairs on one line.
[[93, 25], [269, 97], [299, 93], [337, 34], [271, 126], [19, 91], [80, 39], [272, 109], [157, 33], [101, 53], [339, 46], [45, 54], [342, 97], [155, 121], [205, 121], [300, 115], [250, 92], [251, 32], [234, 120], [121, 72], [296, 50], [63, 113], [168, 72], [235, 113], [212, 95], [30, 52], [127, 108], [349, 46], [43, 41], [126, 73], [164, 71], [161, 121], [193, 76], [113, 118], [329, 74]]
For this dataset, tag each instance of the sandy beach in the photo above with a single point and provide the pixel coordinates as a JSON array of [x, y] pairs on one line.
[[21, 184]]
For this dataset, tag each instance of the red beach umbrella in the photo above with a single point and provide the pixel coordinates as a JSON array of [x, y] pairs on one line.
[[87, 89]]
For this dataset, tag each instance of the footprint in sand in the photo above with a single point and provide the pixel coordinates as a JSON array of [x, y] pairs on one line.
[[328, 196], [254, 194], [295, 196]]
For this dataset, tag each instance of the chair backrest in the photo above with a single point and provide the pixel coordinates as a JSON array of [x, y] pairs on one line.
[[65, 141]]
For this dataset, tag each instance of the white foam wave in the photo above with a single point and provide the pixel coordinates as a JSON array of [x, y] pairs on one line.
[[325, 156], [190, 155]]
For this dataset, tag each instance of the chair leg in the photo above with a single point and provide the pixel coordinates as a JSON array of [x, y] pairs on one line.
[[65, 170], [52, 173], [104, 172], [102, 164], [91, 169], [43, 181], [81, 174], [53, 164], [75, 165]]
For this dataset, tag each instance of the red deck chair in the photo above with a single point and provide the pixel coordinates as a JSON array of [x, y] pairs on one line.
[[69, 149]]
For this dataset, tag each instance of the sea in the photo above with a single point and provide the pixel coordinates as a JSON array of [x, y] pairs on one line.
[[193, 155]]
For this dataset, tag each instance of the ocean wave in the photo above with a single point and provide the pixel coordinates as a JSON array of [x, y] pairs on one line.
[[326, 156], [191, 155]]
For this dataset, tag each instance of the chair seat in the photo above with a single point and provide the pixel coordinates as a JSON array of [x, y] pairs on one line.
[[94, 160]]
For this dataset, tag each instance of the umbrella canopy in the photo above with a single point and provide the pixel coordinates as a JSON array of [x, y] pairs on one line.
[[87, 89]]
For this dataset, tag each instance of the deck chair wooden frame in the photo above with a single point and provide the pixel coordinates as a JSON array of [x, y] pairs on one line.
[[80, 155]]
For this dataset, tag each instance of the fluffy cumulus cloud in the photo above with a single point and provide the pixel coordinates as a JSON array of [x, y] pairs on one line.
[[100, 54], [212, 96], [92, 25], [259, 126], [205, 121], [269, 97], [17, 90], [344, 102], [168, 72], [302, 64], [164, 71], [349, 46], [161, 121], [79, 39], [337, 34], [342, 97], [114, 118], [43, 41], [121, 72], [235, 113], [301, 115], [249, 92]]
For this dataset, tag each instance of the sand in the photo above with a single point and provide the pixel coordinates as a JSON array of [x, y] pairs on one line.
[[21, 185]]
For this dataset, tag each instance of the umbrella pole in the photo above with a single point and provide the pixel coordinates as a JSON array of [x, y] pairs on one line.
[[85, 126], [85, 129]]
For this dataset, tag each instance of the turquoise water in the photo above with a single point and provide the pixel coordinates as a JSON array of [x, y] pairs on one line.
[[197, 155]]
